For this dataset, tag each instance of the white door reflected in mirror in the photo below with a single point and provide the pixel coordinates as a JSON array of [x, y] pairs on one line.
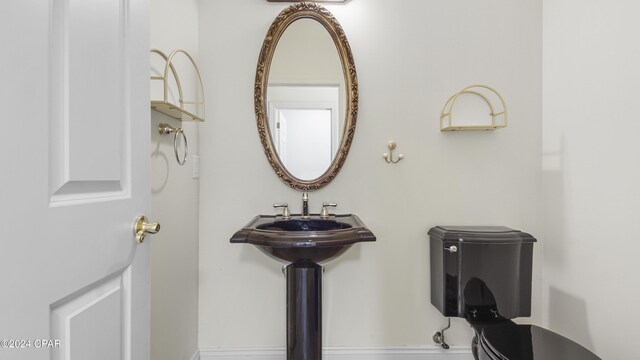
[[305, 127], [304, 141]]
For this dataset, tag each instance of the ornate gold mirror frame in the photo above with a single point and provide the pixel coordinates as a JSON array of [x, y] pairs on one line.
[[306, 10]]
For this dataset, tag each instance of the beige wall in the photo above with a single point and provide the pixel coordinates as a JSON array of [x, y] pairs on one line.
[[174, 202], [591, 173], [411, 56], [303, 46]]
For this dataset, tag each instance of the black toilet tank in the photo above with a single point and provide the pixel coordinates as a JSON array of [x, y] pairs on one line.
[[482, 273]]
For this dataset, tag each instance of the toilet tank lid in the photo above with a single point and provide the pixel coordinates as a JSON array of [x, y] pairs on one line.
[[480, 234]]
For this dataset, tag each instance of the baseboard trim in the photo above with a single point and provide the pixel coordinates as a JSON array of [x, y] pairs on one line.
[[350, 353]]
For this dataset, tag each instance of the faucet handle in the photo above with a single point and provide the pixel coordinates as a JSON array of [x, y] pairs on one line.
[[324, 214], [285, 210]]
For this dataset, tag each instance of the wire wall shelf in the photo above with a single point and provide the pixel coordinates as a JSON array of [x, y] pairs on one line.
[[497, 118], [186, 110]]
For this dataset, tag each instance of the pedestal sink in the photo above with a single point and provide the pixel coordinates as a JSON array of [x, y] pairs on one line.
[[304, 244]]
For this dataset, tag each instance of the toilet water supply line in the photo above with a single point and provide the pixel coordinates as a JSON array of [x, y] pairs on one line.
[[438, 337]]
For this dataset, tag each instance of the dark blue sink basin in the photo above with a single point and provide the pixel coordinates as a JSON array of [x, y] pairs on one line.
[[304, 225]]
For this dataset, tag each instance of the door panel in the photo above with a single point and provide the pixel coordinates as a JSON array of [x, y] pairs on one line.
[[75, 176], [89, 112], [106, 305]]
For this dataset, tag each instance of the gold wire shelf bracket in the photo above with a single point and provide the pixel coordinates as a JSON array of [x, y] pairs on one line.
[[164, 105], [498, 115]]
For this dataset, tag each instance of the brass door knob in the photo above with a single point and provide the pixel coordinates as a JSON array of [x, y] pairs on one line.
[[143, 227]]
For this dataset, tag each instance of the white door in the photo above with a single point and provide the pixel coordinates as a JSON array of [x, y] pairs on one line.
[[74, 168], [307, 153]]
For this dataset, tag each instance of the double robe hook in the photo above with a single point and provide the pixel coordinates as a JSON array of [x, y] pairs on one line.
[[388, 157]]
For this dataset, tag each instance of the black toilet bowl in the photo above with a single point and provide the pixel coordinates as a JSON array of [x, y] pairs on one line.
[[509, 341]]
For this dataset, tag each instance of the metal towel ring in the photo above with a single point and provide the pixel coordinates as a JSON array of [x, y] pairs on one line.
[[166, 129]]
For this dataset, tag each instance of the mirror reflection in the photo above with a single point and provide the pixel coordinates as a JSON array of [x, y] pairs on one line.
[[306, 99]]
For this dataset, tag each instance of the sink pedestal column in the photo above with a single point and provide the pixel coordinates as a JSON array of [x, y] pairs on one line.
[[304, 311]]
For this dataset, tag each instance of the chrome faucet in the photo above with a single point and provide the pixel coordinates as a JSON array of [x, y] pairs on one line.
[[305, 206], [324, 214], [286, 215]]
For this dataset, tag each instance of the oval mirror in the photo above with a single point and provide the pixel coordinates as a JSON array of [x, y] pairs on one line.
[[306, 96]]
